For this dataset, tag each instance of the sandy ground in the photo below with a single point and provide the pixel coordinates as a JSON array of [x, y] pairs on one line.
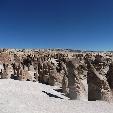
[[30, 97]]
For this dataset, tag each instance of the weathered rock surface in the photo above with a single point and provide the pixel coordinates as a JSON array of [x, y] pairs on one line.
[[63, 68]]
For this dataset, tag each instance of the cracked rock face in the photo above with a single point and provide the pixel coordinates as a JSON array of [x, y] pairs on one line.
[[98, 87], [76, 88]]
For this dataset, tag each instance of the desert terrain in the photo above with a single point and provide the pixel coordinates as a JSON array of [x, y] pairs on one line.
[[56, 80]]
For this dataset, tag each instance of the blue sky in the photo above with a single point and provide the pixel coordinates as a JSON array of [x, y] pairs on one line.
[[76, 24]]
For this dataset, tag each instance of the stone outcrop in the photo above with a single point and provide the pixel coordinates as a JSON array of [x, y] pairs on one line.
[[110, 76], [98, 87], [60, 67], [76, 88]]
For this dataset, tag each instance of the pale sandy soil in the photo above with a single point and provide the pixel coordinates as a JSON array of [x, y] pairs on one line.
[[29, 97]]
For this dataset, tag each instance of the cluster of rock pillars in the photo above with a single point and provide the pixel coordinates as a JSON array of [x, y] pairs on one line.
[[67, 70]]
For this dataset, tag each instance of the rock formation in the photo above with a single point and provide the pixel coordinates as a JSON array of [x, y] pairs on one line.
[[98, 87], [67, 69]]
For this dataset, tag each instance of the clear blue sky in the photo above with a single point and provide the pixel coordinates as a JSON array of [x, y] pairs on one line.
[[79, 24]]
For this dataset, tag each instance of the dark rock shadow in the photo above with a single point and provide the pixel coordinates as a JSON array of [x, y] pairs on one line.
[[58, 90], [51, 95], [15, 77]]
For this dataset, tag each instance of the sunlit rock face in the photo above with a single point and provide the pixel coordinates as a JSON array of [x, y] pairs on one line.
[[76, 88], [98, 87]]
